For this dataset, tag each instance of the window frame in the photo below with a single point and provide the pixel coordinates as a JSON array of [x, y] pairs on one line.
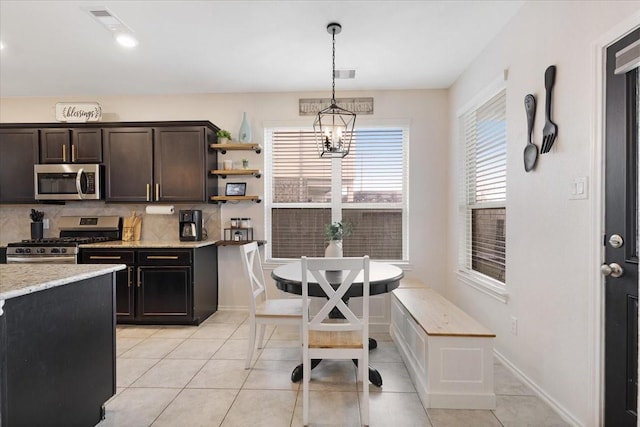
[[466, 274], [336, 205]]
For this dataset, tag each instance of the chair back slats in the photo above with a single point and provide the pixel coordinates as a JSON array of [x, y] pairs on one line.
[[335, 301], [342, 273], [250, 256]]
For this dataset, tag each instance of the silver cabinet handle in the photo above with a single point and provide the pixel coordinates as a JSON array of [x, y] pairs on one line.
[[162, 257], [613, 270]]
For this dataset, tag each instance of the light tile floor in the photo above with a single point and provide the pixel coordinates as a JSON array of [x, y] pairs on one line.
[[194, 376]]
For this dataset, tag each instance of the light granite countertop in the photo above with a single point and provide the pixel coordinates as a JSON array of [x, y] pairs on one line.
[[17, 279], [175, 244], [141, 244]]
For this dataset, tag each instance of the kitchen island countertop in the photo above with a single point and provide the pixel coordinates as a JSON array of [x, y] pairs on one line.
[[17, 279], [175, 244]]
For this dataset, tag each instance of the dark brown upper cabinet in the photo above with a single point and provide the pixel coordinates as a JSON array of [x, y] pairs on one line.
[[18, 154], [128, 156], [160, 164], [75, 145], [180, 164]]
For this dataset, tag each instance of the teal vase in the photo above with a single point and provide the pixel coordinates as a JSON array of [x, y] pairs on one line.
[[244, 135]]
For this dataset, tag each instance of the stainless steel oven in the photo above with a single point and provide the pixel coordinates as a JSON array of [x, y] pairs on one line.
[[44, 252], [68, 182]]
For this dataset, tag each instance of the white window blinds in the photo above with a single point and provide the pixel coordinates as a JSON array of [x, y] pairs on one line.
[[484, 188], [373, 170], [299, 175]]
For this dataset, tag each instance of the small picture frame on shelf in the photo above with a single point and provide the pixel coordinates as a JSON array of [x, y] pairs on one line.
[[235, 189]]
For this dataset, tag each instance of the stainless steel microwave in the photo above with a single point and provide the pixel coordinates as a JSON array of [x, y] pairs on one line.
[[68, 182]]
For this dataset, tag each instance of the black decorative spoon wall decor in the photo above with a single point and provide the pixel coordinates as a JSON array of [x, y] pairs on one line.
[[531, 150]]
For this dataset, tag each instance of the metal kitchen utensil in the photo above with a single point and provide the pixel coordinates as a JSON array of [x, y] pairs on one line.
[[550, 130], [531, 150]]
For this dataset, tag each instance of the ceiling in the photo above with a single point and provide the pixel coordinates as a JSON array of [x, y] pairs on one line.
[[55, 48]]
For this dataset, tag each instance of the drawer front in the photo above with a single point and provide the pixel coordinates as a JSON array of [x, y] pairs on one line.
[[164, 257], [107, 257]]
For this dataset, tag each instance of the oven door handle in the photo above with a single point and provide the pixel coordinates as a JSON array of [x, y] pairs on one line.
[[41, 260], [79, 183]]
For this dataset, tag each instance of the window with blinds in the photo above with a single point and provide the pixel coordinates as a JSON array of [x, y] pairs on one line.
[[365, 189], [483, 246]]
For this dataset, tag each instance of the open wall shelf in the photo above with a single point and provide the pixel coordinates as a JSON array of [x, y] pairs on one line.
[[225, 199], [223, 173], [223, 148]]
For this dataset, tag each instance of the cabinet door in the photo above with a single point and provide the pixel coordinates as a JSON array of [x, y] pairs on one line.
[[55, 146], [164, 292], [179, 163], [128, 164], [18, 154], [125, 286], [86, 145]]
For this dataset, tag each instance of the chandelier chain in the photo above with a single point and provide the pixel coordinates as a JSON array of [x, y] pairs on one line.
[[333, 69]]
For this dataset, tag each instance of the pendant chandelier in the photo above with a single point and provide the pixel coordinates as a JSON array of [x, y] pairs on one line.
[[333, 127]]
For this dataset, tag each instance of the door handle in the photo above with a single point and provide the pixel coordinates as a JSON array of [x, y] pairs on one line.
[[73, 153], [157, 192], [64, 153], [613, 270]]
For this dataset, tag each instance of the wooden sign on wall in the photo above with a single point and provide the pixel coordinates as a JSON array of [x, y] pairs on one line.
[[311, 106], [78, 112]]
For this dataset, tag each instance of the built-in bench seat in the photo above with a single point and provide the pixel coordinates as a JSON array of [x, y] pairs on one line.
[[449, 354]]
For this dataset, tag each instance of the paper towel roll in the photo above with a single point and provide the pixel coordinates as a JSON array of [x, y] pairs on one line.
[[160, 210]]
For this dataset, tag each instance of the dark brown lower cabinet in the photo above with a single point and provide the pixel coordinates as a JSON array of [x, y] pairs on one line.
[[162, 285]]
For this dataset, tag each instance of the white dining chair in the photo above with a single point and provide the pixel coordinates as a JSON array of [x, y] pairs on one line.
[[262, 310], [324, 338]]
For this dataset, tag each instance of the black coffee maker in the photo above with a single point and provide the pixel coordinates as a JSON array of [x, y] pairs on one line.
[[190, 225]]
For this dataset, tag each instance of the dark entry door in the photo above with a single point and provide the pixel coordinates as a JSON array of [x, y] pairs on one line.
[[621, 233]]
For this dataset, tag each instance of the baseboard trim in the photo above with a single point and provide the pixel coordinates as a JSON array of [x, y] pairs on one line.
[[555, 405]]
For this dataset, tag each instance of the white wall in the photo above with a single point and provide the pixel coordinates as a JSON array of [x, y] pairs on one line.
[[550, 239], [426, 111]]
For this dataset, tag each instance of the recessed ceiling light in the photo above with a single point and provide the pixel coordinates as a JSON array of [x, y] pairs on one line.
[[126, 40], [123, 34]]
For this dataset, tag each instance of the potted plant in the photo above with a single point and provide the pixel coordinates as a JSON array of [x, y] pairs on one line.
[[335, 232], [224, 136]]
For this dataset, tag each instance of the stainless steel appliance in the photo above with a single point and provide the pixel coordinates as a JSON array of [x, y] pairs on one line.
[[74, 231], [68, 181], [190, 225]]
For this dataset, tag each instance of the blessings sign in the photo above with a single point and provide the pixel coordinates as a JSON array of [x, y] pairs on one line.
[[78, 112]]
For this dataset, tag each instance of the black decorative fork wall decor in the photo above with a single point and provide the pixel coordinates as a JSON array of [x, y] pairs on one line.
[[550, 130]]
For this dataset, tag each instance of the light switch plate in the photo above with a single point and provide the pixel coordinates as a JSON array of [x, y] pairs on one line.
[[45, 224], [579, 188]]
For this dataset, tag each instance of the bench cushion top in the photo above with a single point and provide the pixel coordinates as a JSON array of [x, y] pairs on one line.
[[437, 315]]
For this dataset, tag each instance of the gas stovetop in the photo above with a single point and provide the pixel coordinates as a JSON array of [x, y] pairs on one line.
[[63, 241], [73, 232]]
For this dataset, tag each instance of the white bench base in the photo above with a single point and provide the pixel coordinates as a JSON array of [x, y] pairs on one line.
[[454, 372]]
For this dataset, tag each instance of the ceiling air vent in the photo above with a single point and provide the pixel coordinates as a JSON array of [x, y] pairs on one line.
[[119, 29], [344, 74]]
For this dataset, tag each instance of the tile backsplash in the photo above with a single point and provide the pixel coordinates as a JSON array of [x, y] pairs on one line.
[[15, 221]]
